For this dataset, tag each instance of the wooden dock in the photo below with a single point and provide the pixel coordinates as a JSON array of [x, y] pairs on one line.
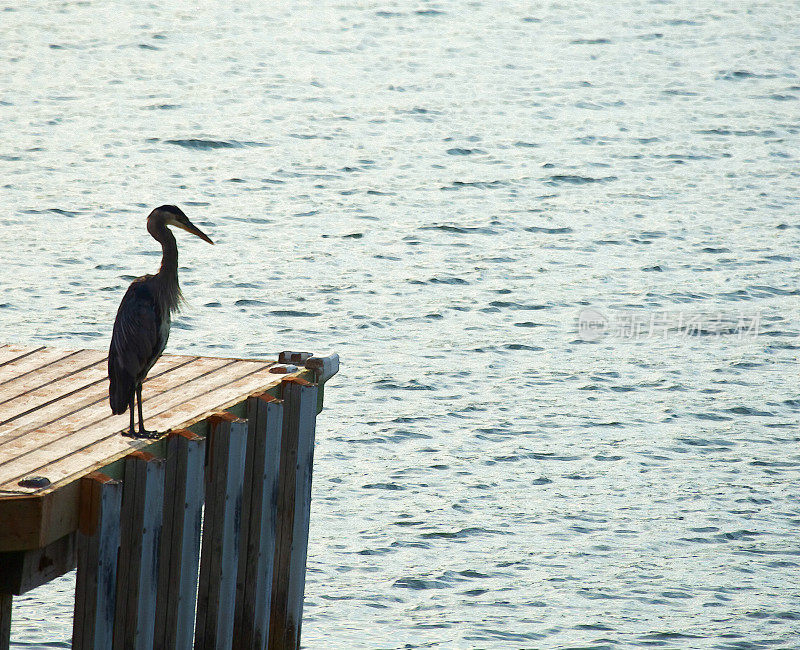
[[237, 443]]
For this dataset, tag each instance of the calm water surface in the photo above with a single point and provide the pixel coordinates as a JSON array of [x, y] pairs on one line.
[[555, 244]]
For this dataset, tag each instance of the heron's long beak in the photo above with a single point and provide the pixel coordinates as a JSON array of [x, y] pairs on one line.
[[190, 227]]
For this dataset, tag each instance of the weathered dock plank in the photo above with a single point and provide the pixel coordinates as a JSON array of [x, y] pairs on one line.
[[96, 580], [259, 518], [221, 531], [10, 352], [91, 405], [180, 541], [20, 367], [68, 400], [65, 388], [86, 442], [140, 531], [294, 506], [21, 384], [63, 439]]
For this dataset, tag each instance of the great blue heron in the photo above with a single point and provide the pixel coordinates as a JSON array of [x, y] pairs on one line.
[[143, 319]]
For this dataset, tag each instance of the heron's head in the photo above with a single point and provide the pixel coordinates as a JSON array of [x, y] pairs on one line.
[[172, 215]]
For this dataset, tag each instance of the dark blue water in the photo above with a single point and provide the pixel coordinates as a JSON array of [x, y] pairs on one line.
[[556, 246]]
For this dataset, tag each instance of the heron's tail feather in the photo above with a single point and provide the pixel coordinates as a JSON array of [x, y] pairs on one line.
[[121, 388]]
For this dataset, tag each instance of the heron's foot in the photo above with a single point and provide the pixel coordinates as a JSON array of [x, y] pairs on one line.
[[141, 434]]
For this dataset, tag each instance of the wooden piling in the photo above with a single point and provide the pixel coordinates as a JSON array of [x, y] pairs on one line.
[[259, 511], [219, 556], [97, 548], [294, 511], [140, 532], [6, 605], [180, 541]]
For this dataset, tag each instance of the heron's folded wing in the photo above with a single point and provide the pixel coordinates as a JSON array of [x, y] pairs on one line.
[[136, 335]]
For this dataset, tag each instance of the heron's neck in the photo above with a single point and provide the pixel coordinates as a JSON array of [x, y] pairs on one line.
[[168, 289]]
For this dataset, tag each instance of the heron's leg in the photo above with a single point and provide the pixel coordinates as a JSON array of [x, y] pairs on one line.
[[142, 432], [132, 432]]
